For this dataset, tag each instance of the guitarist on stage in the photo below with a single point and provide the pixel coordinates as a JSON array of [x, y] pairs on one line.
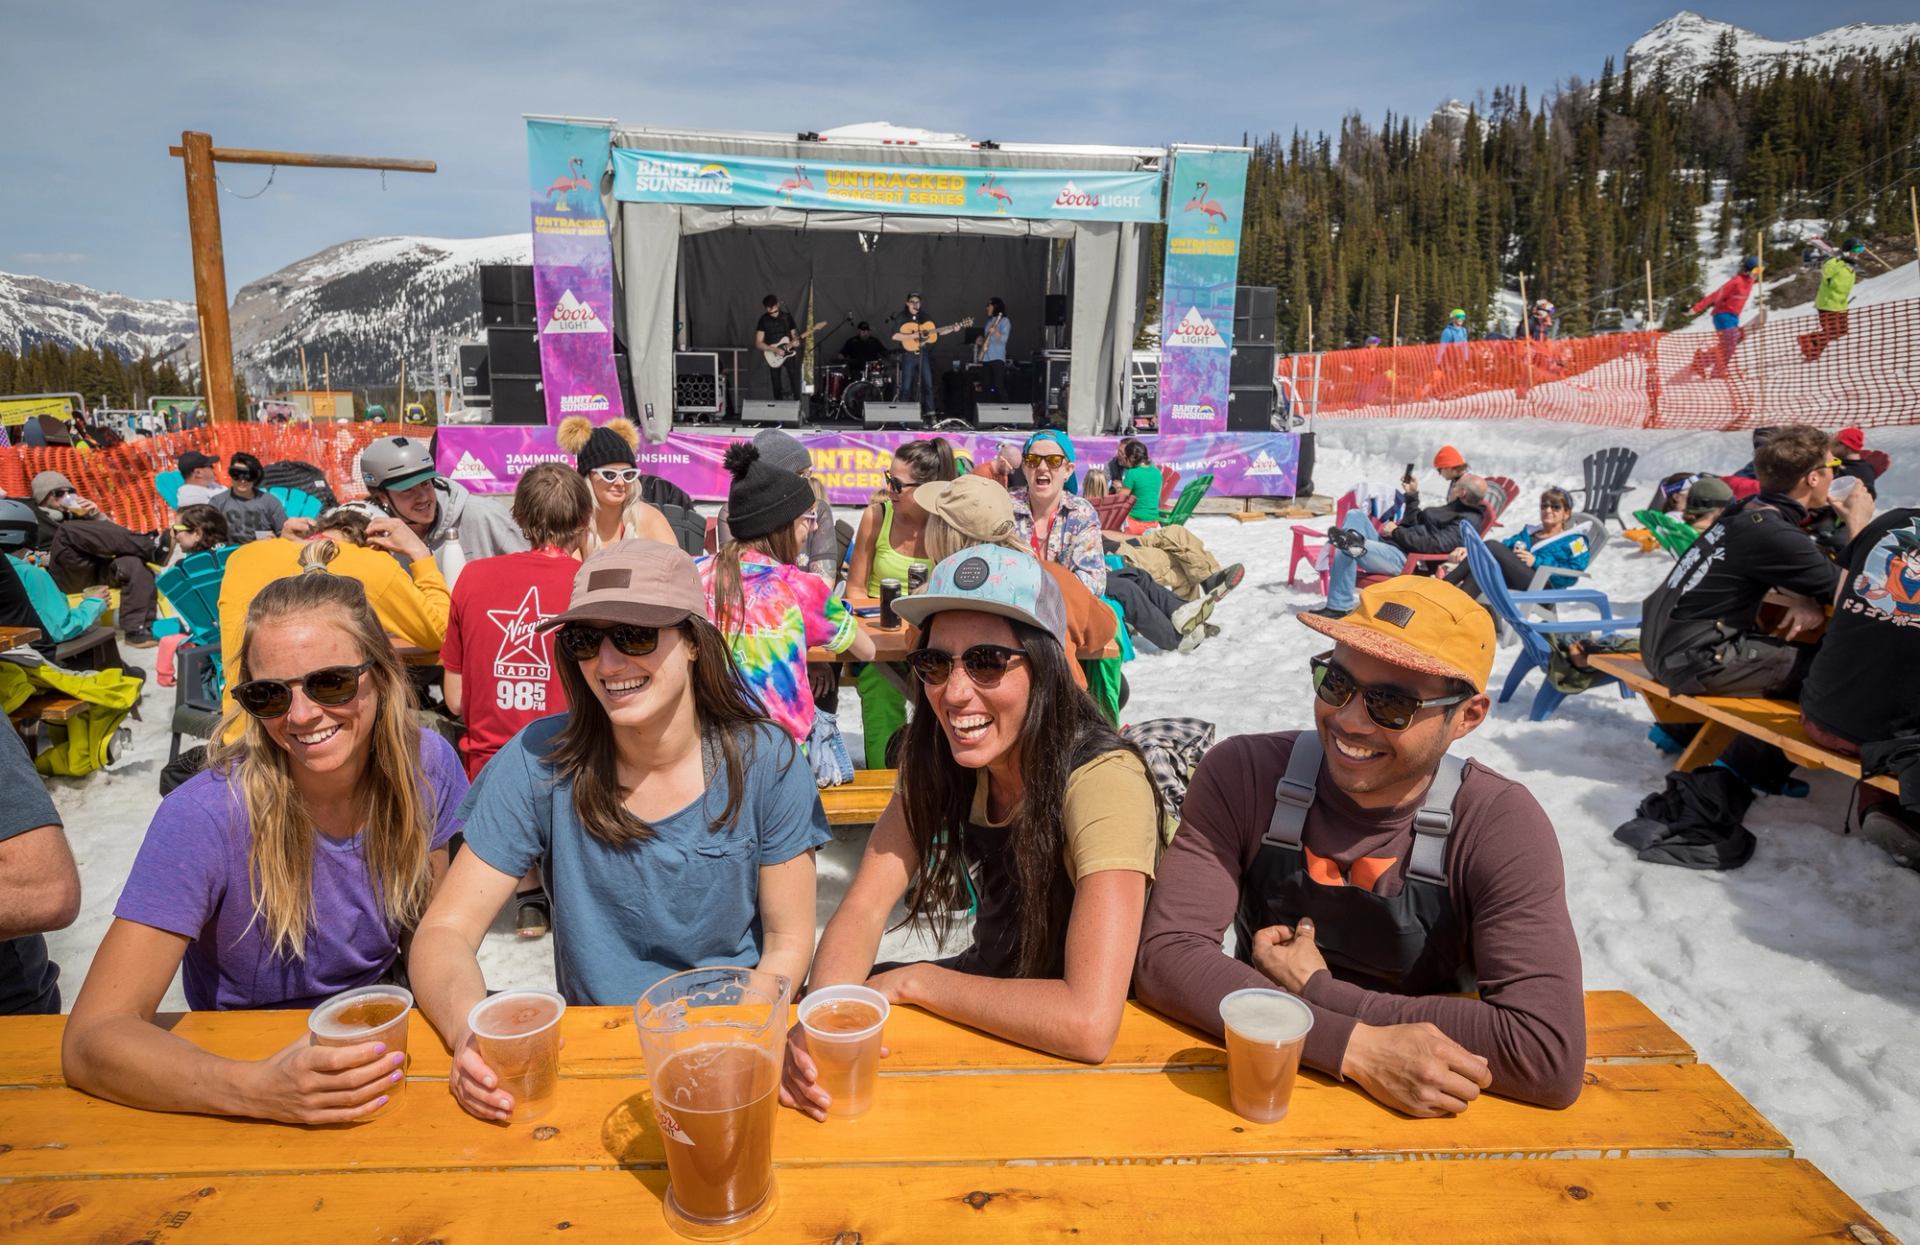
[[916, 368], [774, 329]]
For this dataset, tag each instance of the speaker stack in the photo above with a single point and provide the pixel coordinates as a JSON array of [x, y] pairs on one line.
[[506, 296], [507, 368], [476, 382], [781, 411], [1251, 402]]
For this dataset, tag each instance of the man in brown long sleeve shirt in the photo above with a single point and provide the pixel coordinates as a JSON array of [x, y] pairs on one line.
[[1336, 898]]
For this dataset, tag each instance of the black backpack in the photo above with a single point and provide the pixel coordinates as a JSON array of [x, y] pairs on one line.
[[294, 474]]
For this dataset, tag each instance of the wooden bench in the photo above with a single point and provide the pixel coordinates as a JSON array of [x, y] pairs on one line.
[[859, 803], [1722, 717]]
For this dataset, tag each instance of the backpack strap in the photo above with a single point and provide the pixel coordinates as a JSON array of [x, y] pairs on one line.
[[1293, 795], [1434, 822]]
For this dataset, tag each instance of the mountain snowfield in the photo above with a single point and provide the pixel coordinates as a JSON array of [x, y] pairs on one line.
[[1685, 44], [1793, 975], [41, 309]]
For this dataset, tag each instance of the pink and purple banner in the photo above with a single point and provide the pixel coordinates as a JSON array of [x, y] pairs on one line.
[[573, 269], [491, 459], [1206, 192]]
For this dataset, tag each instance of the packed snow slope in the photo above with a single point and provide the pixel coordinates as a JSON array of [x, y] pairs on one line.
[[1794, 976]]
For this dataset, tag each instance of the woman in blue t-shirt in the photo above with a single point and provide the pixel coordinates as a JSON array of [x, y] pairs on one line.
[[675, 824], [290, 869]]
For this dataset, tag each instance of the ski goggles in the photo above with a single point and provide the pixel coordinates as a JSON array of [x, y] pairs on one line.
[[332, 686]]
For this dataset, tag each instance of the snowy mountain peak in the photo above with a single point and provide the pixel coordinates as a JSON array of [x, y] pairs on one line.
[[1685, 42], [41, 309]]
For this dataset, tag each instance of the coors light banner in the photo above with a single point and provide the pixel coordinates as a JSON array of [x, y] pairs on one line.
[[573, 269], [1205, 193]]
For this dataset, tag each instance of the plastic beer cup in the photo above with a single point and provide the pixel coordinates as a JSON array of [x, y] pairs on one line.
[[714, 1039], [365, 1014], [1266, 1030], [844, 1025], [517, 1033]]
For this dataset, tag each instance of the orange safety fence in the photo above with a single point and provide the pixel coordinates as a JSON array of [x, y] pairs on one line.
[[120, 480], [1774, 370]]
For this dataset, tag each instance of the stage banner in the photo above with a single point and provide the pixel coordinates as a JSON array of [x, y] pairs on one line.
[[901, 189], [852, 465], [573, 269], [1206, 191]]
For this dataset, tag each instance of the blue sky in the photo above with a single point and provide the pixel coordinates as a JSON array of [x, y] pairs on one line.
[[90, 195]]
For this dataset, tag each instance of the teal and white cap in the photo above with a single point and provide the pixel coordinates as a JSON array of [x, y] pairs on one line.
[[991, 580]]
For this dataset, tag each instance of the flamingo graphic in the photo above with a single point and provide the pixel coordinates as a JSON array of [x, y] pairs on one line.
[[991, 188], [560, 193], [798, 181], [1210, 207]]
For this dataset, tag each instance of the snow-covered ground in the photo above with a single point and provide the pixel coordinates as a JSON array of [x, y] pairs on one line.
[[1797, 976]]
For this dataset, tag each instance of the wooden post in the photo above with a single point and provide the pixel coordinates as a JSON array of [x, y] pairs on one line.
[[1309, 328], [209, 275], [1650, 321], [1913, 205], [305, 383], [400, 416], [1393, 369], [1526, 334], [198, 156]]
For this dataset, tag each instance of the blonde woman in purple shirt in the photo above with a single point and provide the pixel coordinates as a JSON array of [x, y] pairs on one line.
[[295, 866]]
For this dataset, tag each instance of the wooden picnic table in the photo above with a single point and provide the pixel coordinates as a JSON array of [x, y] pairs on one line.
[[18, 637], [970, 1139]]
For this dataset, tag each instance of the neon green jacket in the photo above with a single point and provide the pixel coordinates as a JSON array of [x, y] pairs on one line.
[[1836, 285]]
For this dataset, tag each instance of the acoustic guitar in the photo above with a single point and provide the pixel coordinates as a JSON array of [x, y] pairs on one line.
[[916, 337], [777, 354]]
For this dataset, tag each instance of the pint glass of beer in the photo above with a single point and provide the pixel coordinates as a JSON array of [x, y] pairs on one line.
[[844, 1025], [1266, 1031], [517, 1033], [365, 1014], [713, 1040]]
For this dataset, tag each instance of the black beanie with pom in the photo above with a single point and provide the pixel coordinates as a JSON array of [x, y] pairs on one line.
[[762, 499]]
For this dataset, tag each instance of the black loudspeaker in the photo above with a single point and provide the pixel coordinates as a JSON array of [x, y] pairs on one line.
[[1052, 372], [1004, 415], [696, 383], [1253, 330], [513, 352], [1250, 410], [519, 400], [1303, 478], [1056, 311], [784, 411], [882, 414], [475, 379], [1251, 365], [506, 295], [1258, 302]]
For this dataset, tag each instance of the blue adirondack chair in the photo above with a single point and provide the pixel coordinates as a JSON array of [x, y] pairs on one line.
[[167, 484], [1534, 650], [192, 587], [299, 503]]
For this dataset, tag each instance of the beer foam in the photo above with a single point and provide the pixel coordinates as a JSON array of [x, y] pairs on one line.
[[333, 1020], [1266, 1015]]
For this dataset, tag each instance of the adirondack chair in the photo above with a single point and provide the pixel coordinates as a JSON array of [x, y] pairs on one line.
[[1112, 509], [192, 587], [299, 503], [1535, 652], [1595, 530], [1169, 481], [1606, 475], [1429, 563], [1190, 496], [167, 484], [1311, 546], [1500, 494], [1676, 536]]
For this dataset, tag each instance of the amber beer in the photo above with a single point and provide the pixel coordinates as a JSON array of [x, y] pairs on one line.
[[714, 1104], [844, 1026], [365, 1014], [517, 1033], [1266, 1030]]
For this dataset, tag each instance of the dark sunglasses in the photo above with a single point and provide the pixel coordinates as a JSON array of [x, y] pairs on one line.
[[272, 698], [1390, 710], [581, 641], [986, 664], [897, 486], [241, 473]]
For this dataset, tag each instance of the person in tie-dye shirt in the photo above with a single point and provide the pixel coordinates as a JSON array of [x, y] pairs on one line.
[[770, 610]]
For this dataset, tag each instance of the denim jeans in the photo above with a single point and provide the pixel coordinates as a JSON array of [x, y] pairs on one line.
[[916, 377], [1378, 558]]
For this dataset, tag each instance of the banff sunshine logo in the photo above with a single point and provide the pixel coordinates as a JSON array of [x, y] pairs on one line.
[[680, 177]]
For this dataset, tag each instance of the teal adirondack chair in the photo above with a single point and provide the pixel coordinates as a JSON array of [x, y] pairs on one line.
[[192, 587], [299, 503], [1182, 509], [167, 484]]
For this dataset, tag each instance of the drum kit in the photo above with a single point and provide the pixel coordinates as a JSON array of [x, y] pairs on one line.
[[845, 395]]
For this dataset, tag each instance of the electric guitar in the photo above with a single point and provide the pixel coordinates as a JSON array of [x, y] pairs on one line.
[[916, 337], [777, 354]]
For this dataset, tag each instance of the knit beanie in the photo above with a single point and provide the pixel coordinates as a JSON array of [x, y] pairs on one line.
[[610, 445], [782, 450], [763, 499]]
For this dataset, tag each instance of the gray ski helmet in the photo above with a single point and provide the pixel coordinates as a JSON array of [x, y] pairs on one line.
[[18, 523], [395, 463]]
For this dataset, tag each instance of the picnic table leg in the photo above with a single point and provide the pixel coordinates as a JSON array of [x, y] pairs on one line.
[[1706, 747]]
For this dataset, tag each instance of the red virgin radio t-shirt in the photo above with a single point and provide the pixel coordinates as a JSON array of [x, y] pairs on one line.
[[506, 667]]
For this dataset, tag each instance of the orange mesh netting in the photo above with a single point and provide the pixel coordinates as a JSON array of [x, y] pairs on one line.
[[1772, 371], [120, 479]]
